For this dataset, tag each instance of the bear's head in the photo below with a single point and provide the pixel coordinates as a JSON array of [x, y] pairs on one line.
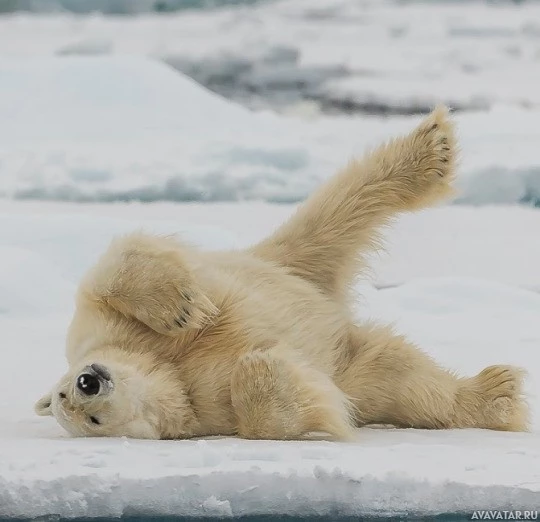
[[108, 396]]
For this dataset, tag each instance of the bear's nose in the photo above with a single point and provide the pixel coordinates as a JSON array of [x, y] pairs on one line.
[[88, 384]]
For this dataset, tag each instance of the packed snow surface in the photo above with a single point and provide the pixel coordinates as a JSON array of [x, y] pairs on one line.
[[473, 308], [127, 128]]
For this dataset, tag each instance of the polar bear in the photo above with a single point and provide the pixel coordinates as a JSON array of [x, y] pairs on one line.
[[171, 342]]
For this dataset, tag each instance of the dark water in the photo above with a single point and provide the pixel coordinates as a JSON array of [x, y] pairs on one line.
[[260, 518], [114, 7]]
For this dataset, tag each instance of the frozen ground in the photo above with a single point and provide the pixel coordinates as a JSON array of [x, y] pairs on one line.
[[98, 123], [474, 307], [127, 128], [373, 56]]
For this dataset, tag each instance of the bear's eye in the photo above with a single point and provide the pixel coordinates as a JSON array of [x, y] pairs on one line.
[[93, 420]]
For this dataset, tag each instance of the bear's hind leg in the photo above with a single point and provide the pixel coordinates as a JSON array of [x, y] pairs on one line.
[[277, 397], [494, 399], [329, 239], [391, 381]]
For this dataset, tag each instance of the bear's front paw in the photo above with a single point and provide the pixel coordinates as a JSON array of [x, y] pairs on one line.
[[150, 278], [175, 307]]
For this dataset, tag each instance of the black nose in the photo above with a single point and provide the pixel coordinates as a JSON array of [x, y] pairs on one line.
[[88, 384]]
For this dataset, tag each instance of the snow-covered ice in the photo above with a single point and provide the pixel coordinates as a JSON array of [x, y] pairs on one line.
[[370, 55], [100, 122], [465, 316], [127, 128]]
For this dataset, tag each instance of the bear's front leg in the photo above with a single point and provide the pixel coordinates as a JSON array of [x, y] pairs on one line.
[[276, 397], [150, 278]]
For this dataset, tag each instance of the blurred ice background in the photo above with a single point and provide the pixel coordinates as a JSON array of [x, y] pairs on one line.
[[302, 85]]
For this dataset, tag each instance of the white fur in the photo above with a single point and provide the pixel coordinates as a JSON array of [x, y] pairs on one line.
[[261, 343]]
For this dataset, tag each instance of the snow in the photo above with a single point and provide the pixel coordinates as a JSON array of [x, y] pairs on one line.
[[91, 115], [466, 317], [397, 55], [127, 128]]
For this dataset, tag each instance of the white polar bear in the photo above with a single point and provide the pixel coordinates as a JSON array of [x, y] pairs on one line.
[[171, 342]]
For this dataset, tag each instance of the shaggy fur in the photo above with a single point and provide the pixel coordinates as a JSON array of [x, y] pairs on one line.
[[261, 343]]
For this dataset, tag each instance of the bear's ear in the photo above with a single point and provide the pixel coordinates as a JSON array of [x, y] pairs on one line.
[[43, 406]]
